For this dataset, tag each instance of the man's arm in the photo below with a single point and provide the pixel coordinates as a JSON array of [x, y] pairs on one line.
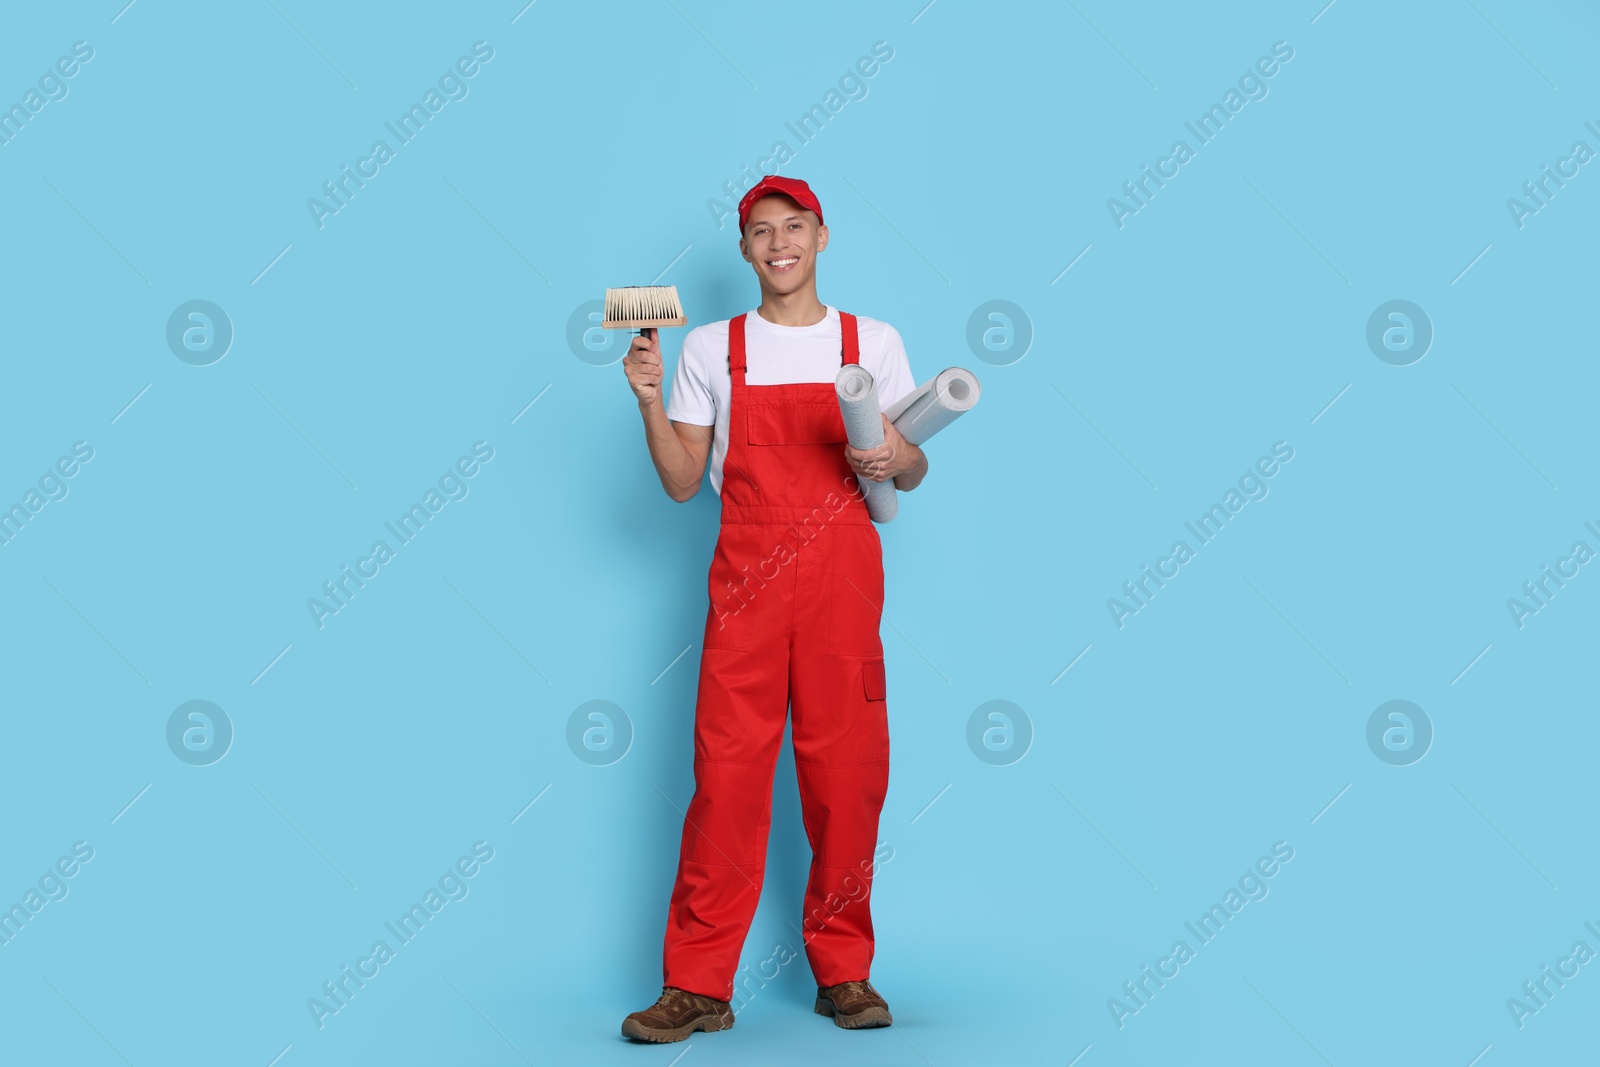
[[678, 449], [915, 461], [905, 462]]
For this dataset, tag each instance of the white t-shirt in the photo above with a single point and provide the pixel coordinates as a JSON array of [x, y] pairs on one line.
[[777, 355]]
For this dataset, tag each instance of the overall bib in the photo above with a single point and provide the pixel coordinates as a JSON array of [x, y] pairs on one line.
[[796, 589]]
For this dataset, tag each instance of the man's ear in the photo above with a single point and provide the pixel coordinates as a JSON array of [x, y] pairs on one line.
[[822, 237], [744, 249]]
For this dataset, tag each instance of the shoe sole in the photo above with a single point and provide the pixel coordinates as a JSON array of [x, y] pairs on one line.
[[862, 1020], [637, 1031]]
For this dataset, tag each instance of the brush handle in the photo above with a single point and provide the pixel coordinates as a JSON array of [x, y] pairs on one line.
[[648, 333]]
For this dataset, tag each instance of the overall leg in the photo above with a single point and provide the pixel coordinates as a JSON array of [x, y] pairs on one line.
[[739, 718], [841, 742]]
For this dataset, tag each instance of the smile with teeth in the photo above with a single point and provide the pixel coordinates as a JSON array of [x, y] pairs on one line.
[[783, 264]]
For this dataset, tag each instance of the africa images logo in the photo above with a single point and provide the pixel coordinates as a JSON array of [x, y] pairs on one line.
[[405, 128], [1205, 128], [852, 85]]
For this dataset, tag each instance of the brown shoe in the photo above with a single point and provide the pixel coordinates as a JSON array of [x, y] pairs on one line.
[[677, 1014], [853, 1005]]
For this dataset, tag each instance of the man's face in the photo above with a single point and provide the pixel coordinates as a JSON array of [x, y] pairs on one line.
[[781, 241]]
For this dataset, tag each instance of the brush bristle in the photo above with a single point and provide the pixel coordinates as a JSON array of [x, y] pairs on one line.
[[640, 306]]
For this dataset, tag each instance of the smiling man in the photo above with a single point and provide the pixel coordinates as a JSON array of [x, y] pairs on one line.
[[796, 591]]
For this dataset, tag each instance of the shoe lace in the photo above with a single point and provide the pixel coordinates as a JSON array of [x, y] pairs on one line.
[[671, 995], [852, 990]]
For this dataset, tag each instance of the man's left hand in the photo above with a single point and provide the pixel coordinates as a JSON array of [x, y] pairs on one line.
[[889, 459]]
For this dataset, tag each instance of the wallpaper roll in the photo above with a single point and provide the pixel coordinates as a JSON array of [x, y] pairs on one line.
[[935, 404], [863, 425]]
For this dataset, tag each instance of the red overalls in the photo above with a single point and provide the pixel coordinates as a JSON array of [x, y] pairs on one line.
[[796, 588]]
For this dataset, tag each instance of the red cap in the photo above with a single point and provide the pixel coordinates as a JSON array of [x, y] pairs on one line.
[[793, 188]]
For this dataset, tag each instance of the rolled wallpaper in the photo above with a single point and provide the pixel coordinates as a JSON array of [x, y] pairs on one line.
[[863, 425]]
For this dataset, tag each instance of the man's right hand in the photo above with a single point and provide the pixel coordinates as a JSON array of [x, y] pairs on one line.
[[642, 365]]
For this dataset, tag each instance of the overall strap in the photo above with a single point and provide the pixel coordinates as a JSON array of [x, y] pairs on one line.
[[852, 344], [736, 350]]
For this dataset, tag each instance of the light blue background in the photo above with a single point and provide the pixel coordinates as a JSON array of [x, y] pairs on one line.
[[1227, 315]]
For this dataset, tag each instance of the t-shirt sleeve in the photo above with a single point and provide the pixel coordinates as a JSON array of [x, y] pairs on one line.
[[896, 380], [691, 399]]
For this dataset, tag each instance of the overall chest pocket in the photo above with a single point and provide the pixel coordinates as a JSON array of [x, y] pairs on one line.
[[795, 422]]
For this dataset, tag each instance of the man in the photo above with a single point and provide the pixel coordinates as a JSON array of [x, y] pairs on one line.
[[796, 590]]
